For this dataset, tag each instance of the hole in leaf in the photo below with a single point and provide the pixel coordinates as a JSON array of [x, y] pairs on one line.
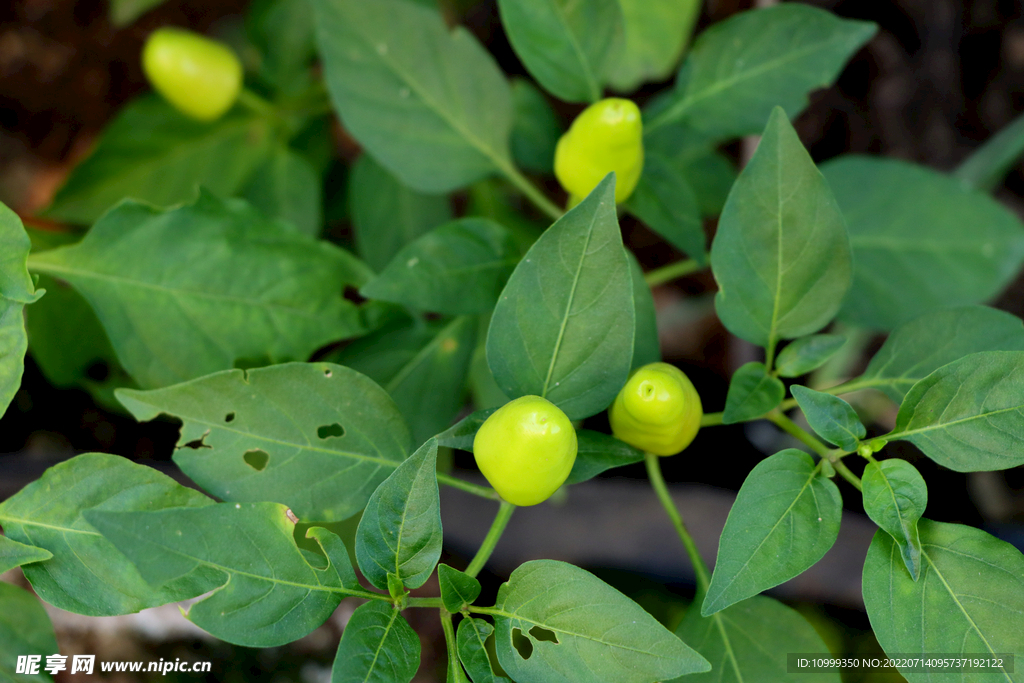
[[327, 372], [98, 371], [196, 444], [256, 459], [540, 633], [522, 644], [230, 417], [328, 431]]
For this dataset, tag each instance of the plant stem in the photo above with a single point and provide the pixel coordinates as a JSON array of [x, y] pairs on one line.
[[257, 104], [670, 272], [455, 672], [475, 489], [711, 419], [793, 429], [491, 540], [658, 482], [435, 603], [538, 198], [846, 473]]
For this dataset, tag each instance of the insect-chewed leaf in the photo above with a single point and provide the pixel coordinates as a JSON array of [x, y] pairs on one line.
[[24, 628], [266, 593], [968, 415], [377, 646], [895, 496], [87, 574], [564, 325], [969, 600], [605, 636], [191, 290], [315, 436]]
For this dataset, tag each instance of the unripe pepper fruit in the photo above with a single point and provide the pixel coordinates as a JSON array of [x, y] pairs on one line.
[[526, 450], [658, 410], [607, 136], [198, 76]]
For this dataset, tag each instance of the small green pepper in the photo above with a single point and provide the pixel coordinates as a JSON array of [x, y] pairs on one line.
[[658, 410], [199, 76], [607, 136]]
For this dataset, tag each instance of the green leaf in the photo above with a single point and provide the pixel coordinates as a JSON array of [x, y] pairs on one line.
[[709, 174], [317, 437], [283, 31], [781, 255], [917, 348], [461, 434], [597, 452], [987, 166], [564, 44], [14, 554], [429, 104], [377, 646], [910, 247], [265, 591], [832, 418], [471, 638], [154, 153], [422, 367], [535, 128], [16, 290], [87, 574], [460, 267], [646, 344], [400, 531], [969, 599], [189, 291], [604, 636], [740, 68], [752, 393], [785, 518], [655, 33], [808, 353], [387, 215], [24, 629], [124, 12], [895, 497], [749, 641], [563, 328], [458, 589], [287, 186], [967, 415], [664, 201]]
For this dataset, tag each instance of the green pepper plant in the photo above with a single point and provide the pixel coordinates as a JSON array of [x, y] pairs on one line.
[[196, 266]]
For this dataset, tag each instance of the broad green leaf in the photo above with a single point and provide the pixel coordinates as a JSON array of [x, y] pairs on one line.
[[752, 393], [707, 171], [832, 418], [400, 531], [484, 391], [461, 434], [189, 291], [377, 646], [535, 128], [287, 186], [124, 12], [25, 629], [422, 366], [786, 516], [597, 452], [969, 599], [740, 68], [315, 436], [917, 348], [988, 164], [664, 201], [429, 104], [563, 328], [457, 588], [646, 344], [579, 629], [387, 215], [265, 591], [968, 415], [283, 32], [87, 574], [911, 250], [471, 638], [154, 153], [564, 44], [14, 554], [895, 496], [460, 267], [781, 255], [808, 353], [16, 290], [749, 641], [655, 33]]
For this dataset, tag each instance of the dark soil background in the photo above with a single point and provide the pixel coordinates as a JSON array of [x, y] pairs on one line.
[[940, 78]]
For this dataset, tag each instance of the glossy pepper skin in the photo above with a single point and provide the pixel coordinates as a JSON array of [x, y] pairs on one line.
[[607, 136], [526, 449], [658, 410], [198, 76]]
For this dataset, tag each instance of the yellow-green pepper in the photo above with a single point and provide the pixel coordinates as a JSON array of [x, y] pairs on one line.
[[607, 136], [198, 76], [658, 410]]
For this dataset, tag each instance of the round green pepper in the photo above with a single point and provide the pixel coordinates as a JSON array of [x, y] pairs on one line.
[[658, 410], [199, 76], [607, 136]]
